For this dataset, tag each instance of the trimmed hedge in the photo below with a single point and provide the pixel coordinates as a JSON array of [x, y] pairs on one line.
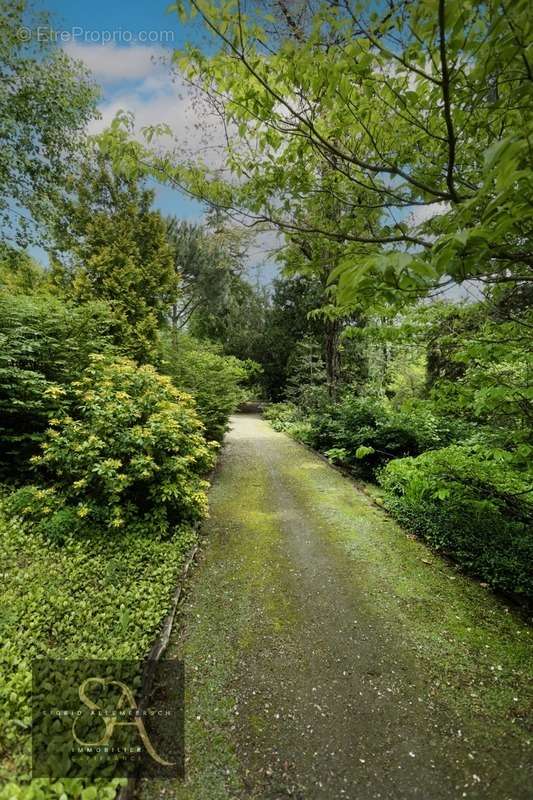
[[471, 505]]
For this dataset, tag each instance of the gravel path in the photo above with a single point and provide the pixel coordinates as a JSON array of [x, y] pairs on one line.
[[330, 655]]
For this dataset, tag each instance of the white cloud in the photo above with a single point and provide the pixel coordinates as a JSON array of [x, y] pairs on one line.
[[159, 100], [110, 63], [139, 79], [159, 104], [421, 214]]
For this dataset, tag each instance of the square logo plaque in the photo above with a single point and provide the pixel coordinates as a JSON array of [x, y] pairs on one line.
[[107, 719]]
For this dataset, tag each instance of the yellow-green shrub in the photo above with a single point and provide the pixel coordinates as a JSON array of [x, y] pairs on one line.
[[132, 447]]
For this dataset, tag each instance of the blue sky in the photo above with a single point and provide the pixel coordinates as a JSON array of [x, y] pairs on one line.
[[133, 77], [132, 14], [128, 69], [124, 43]]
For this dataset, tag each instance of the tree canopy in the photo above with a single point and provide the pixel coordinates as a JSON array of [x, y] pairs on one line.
[[46, 101], [422, 111]]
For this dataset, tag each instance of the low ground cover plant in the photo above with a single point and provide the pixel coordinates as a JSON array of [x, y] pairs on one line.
[[71, 590]]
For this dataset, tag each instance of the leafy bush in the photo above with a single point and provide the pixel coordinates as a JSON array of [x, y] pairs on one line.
[[281, 415], [287, 418], [131, 447], [43, 510], [94, 596], [366, 431], [494, 385], [471, 504], [302, 431], [44, 344], [433, 428], [214, 380]]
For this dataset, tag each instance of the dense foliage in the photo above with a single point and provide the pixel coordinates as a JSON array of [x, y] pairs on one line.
[[365, 433], [442, 419], [214, 380], [472, 505], [45, 343], [110, 460], [130, 448], [84, 595], [46, 99]]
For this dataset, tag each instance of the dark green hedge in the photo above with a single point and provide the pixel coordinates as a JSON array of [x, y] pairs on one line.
[[365, 433], [471, 505]]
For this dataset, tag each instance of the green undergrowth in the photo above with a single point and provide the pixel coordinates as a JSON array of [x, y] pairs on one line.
[[472, 506], [469, 501], [93, 595]]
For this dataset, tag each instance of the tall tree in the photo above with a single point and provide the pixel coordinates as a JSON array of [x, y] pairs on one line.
[[320, 256], [110, 244], [288, 321], [46, 101], [194, 264], [209, 259]]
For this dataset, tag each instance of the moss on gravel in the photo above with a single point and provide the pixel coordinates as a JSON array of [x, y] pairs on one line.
[[220, 624], [478, 649], [471, 653]]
